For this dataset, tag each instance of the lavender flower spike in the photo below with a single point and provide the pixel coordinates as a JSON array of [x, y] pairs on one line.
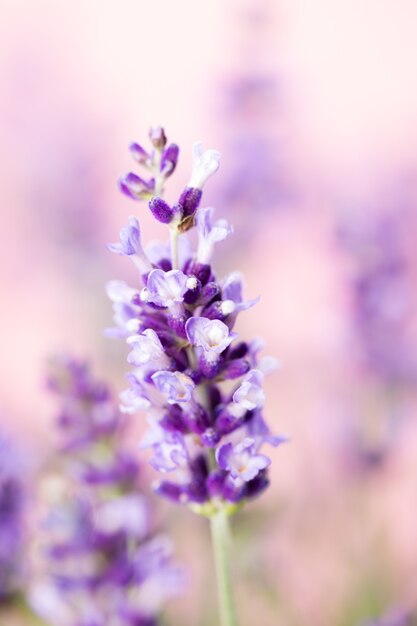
[[191, 373], [105, 565], [199, 384]]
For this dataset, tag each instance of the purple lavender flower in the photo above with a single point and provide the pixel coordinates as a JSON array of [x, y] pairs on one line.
[[147, 350], [259, 179], [381, 297], [212, 336], [241, 461], [130, 245], [166, 288], [177, 387], [381, 293], [12, 499], [209, 234], [398, 617], [125, 311], [104, 564], [250, 395], [200, 385]]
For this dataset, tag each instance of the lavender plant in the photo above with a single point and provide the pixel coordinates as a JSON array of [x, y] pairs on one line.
[[105, 566], [382, 295], [381, 300], [12, 506], [199, 384]]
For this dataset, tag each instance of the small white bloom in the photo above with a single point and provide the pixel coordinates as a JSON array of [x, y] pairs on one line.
[[176, 387], [204, 165], [165, 288], [147, 349], [250, 394], [209, 233], [212, 336]]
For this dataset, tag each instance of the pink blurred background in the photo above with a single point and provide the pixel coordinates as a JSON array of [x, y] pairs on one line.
[[314, 108]]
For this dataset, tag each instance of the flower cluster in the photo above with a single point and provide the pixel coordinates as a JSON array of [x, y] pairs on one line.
[[159, 163], [200, 385], [12, 506], [104, 564]]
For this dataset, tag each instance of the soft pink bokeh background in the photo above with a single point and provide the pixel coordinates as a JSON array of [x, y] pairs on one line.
[[80, 80]]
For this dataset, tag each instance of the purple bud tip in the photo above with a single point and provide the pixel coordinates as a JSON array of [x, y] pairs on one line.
[[168, 490], [138, 153], [190, 200], [157, 137], [132, 185], [169, 159], [161, 210]]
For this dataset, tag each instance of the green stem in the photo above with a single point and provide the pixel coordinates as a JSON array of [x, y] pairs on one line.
[[221, 547], [157, 174], [173, 234]]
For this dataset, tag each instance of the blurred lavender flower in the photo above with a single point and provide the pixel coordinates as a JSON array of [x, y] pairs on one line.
[[12, 499], [259, 179], [395, 618], [104, 563], [201, 386], [381, 297], [382, 294]]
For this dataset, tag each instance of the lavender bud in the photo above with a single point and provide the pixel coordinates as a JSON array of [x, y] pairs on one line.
[[169, 159], [208, 293], [201, 270], [256, 486], [210, 438], [177, 324], [161, 210], [235, 369], [169, 490], [219, 310], [157, 137], [193, 293], [135, 187], [190, 200], [138, 153], [239, 350]]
